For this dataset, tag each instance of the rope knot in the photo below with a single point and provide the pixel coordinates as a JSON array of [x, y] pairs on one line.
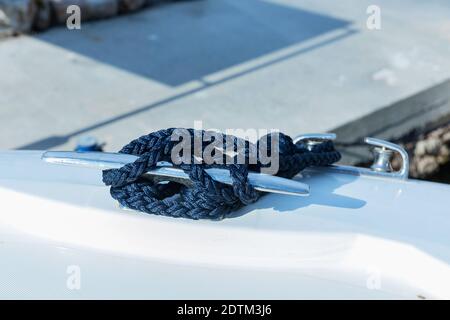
[[205, 198]]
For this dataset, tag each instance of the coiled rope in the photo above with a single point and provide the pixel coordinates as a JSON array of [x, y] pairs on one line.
[[205, 198]]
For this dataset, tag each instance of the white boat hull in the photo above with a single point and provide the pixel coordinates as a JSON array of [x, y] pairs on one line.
[[63, 236]]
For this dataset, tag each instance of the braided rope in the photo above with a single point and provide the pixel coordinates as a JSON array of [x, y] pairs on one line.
[[206, 198]]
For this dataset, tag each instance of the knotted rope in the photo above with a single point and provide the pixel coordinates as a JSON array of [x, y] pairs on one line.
[[205, 198]]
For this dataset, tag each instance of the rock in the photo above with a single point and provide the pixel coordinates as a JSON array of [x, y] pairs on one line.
[[426, 166], [131, 5], [430, 146], [430, 153], [437, 133], [433, 146], [44, 15], [99, 9], [90, 9], [420, 149], [18, 15], [446, 137], [444, 155]]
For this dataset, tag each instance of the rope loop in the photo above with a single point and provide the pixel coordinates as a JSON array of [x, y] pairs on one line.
[[206, 198]]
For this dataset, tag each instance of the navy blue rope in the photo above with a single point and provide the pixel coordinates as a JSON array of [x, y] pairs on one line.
[[206, 198]]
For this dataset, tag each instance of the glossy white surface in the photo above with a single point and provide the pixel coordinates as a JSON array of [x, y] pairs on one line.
[[354, 237]]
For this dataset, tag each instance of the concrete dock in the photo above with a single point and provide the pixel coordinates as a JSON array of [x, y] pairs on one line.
[[297, 66]]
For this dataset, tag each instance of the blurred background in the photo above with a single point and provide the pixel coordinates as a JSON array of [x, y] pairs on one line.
[[353, 67]]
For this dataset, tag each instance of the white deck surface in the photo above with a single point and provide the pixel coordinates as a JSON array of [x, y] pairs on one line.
[[354, 237]]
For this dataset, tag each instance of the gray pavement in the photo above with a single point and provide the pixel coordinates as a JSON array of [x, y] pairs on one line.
[[298, 66]]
